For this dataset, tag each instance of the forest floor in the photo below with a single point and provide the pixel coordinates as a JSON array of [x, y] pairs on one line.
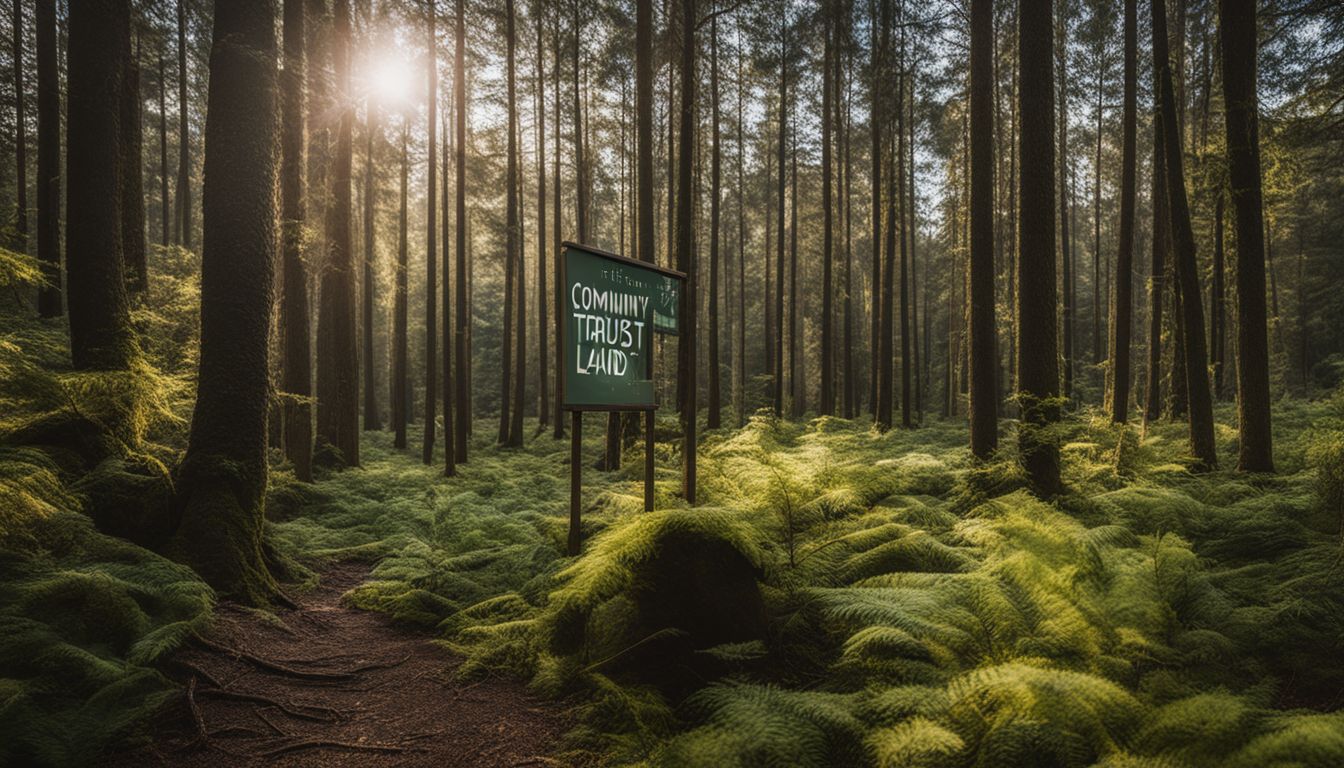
[[325, 684]]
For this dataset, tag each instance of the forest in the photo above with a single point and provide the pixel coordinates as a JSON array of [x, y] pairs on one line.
[[945, 402]]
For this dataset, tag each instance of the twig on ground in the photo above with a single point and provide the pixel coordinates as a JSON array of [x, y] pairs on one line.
[[293, 710], [301, 744], [202, 735]]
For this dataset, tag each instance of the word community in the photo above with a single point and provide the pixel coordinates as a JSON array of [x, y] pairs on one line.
[[610, 324]]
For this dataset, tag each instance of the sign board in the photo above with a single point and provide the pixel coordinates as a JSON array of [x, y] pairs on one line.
[[611, 307]]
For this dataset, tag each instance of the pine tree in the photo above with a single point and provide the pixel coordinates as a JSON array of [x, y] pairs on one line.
[[687, 310], [184, 234], [337, 354], [101, 337], [1183, 249], [1037, 350], [222, 480], [400, 379], [1239, 50], [431, 235], [515, 239], [296, 345], [1122, 306], [48, 162], [984, 354], [827, 248], [132, 185], [372, 140], [461, 306]]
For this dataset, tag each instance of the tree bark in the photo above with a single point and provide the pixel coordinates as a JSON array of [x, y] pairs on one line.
[[183, 134], [514, 240], [543, 341], [132, 183], [462, 317], [222, 480], [779, 217], [21, 136], [1037, 350], [983, 394], [1183, 246], [338, 353], [1239, 51], [101, 337], [685, 253], [827, 245], [296, 344], [48, 161], [400, 379], [372, 418], [1124, 262], [431, 237]]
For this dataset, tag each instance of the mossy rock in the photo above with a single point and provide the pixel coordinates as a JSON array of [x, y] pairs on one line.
[[695, 593], [130, 498], [74, 442]]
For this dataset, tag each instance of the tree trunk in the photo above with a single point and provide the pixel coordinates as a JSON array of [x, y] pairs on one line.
[[183, 134], [222, 481], [296, 343], [1196, 358], [1037, 350], [48, 161], [685, 255], [462, 305], [165, 206], [1065, 243], [1157, 278], [372, 419], [740, 366], [431, 238], [899, 180], [715, 188], [400, 379], [338, 355], [827, 407], [849, 407], [1243, 156], [543, 341], [21, 135], [559, 431], [132, 185], [983, 395], [515, 240], [875, 121], [797, 383], [779, 217], [1124, 261], [101, 337], [1218, 310]]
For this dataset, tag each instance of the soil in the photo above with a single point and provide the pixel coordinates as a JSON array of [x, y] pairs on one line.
[[324, 684]]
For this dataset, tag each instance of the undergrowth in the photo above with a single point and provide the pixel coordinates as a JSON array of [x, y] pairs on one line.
[[841, 597]]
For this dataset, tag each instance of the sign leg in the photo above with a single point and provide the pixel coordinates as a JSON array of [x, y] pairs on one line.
[[648, 461], [575, 479]]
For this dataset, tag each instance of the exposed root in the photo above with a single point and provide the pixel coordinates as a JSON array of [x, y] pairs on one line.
[[295, 746], [273, 666], [197, 717], [315, 712]]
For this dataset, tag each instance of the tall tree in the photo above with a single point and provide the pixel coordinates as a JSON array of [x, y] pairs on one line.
[[511, 243], [132, 185], [899, 180], [876, 48], [183, 133], [48, 161], [21, 136], [165, 205], [685, 252], [1183, 249], [983, 352], [222, 480], [779, 214], [1239, 50], [850, 392], [543, 343], [515, 239], [400, 380], [1037, 352], [431, 235], [1161, 242], [338, 353], [462, 319], [827, 237], [372, 140], [556, 202], [1065, 243], [715, 193], [101, 337], [1124, 261], [296, 356]]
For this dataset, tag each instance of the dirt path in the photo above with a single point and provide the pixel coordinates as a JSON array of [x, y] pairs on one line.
[[328, 685]]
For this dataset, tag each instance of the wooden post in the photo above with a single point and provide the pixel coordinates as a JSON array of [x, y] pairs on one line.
[[575, 479], [648, 460]]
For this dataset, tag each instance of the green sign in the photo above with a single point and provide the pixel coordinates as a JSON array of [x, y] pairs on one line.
[[611, 308]]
